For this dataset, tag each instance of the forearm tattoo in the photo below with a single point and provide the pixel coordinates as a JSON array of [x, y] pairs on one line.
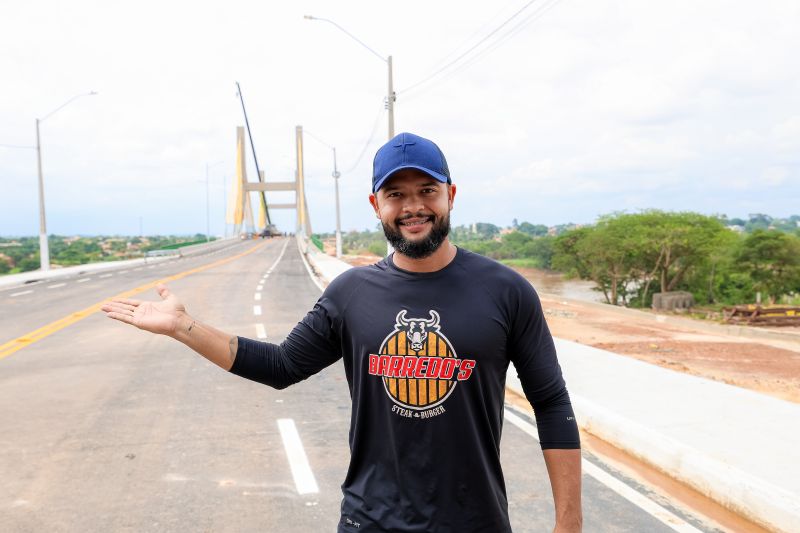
[[233, 346]]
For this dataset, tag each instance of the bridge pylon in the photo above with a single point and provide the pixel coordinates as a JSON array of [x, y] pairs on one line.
[[240, 208]]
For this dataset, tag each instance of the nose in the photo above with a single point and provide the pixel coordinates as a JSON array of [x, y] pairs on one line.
[[413, 204]]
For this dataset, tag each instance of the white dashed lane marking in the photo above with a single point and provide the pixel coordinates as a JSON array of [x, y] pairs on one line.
[[298, 462], [105, 275], [57, 285], [19, 293], [260, 287], [84, 279], [261, 331]]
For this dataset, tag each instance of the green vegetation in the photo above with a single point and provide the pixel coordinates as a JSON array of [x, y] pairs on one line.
[[22, 254], [364, 242], [631, 256], [772, 262], [537, 252], [760, 221]]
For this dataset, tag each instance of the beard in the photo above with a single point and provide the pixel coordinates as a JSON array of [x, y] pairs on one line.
[[424, 247]]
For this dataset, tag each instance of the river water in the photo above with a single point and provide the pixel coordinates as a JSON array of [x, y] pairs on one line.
[[548, 282]]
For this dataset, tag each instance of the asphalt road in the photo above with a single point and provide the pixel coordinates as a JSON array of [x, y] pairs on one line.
[[106, 428]]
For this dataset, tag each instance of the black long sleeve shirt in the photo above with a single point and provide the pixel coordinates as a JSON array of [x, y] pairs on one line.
[[426, 356]]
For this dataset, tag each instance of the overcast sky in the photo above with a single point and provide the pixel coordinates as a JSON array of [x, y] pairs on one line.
[[572, 109]]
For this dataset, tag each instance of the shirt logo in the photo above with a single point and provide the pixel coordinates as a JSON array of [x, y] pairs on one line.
[[418, 365]]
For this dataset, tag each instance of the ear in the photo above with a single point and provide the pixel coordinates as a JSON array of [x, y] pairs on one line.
[[451, 193], [373, 200]]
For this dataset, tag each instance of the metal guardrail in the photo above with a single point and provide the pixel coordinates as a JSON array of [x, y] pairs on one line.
[[162, 253]]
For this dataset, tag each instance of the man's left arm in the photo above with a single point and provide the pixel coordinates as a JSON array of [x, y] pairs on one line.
[[564, 469], [533, 353]]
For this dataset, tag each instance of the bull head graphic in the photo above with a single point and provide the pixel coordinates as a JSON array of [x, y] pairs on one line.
[[417, 328]]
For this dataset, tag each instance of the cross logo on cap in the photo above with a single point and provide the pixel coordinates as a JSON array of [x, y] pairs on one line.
[[403, 143]]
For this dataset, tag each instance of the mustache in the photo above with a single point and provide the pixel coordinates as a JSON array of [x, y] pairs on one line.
[[415, 215]]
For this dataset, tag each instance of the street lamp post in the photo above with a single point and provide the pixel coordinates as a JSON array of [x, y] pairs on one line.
[[225, 204], [336, 175], [208, 211], [390, 99], [390, 96], [44, 249]]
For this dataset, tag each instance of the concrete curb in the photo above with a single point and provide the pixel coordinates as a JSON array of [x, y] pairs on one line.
[[326, 266], [759, 500], [711, 469]]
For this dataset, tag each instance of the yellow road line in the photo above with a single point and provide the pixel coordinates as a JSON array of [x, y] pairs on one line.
[[44, 331]]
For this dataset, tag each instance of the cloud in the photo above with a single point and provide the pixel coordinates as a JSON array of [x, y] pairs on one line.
[[774, 176]]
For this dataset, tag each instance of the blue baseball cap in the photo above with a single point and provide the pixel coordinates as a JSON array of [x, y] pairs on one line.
[[407, 150]]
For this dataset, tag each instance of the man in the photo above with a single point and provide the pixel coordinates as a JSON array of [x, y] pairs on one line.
[[426, 335]]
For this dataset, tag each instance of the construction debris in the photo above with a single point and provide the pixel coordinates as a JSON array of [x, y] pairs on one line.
[[756, 315]]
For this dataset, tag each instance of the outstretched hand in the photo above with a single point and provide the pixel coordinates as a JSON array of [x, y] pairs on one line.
[[157, 317]]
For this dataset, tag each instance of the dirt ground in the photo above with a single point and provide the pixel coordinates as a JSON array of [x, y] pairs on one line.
[[764, 365]]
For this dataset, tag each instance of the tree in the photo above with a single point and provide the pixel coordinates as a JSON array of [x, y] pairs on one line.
[[758, 221], [772, 260], [715, 279], [541, 251], [534, 230], [29, 263], [566, 255], [625, 253], [603, 254], [680, 240], [485, 230]]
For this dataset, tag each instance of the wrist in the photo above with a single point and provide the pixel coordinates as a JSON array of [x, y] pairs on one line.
[[183, 326]]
